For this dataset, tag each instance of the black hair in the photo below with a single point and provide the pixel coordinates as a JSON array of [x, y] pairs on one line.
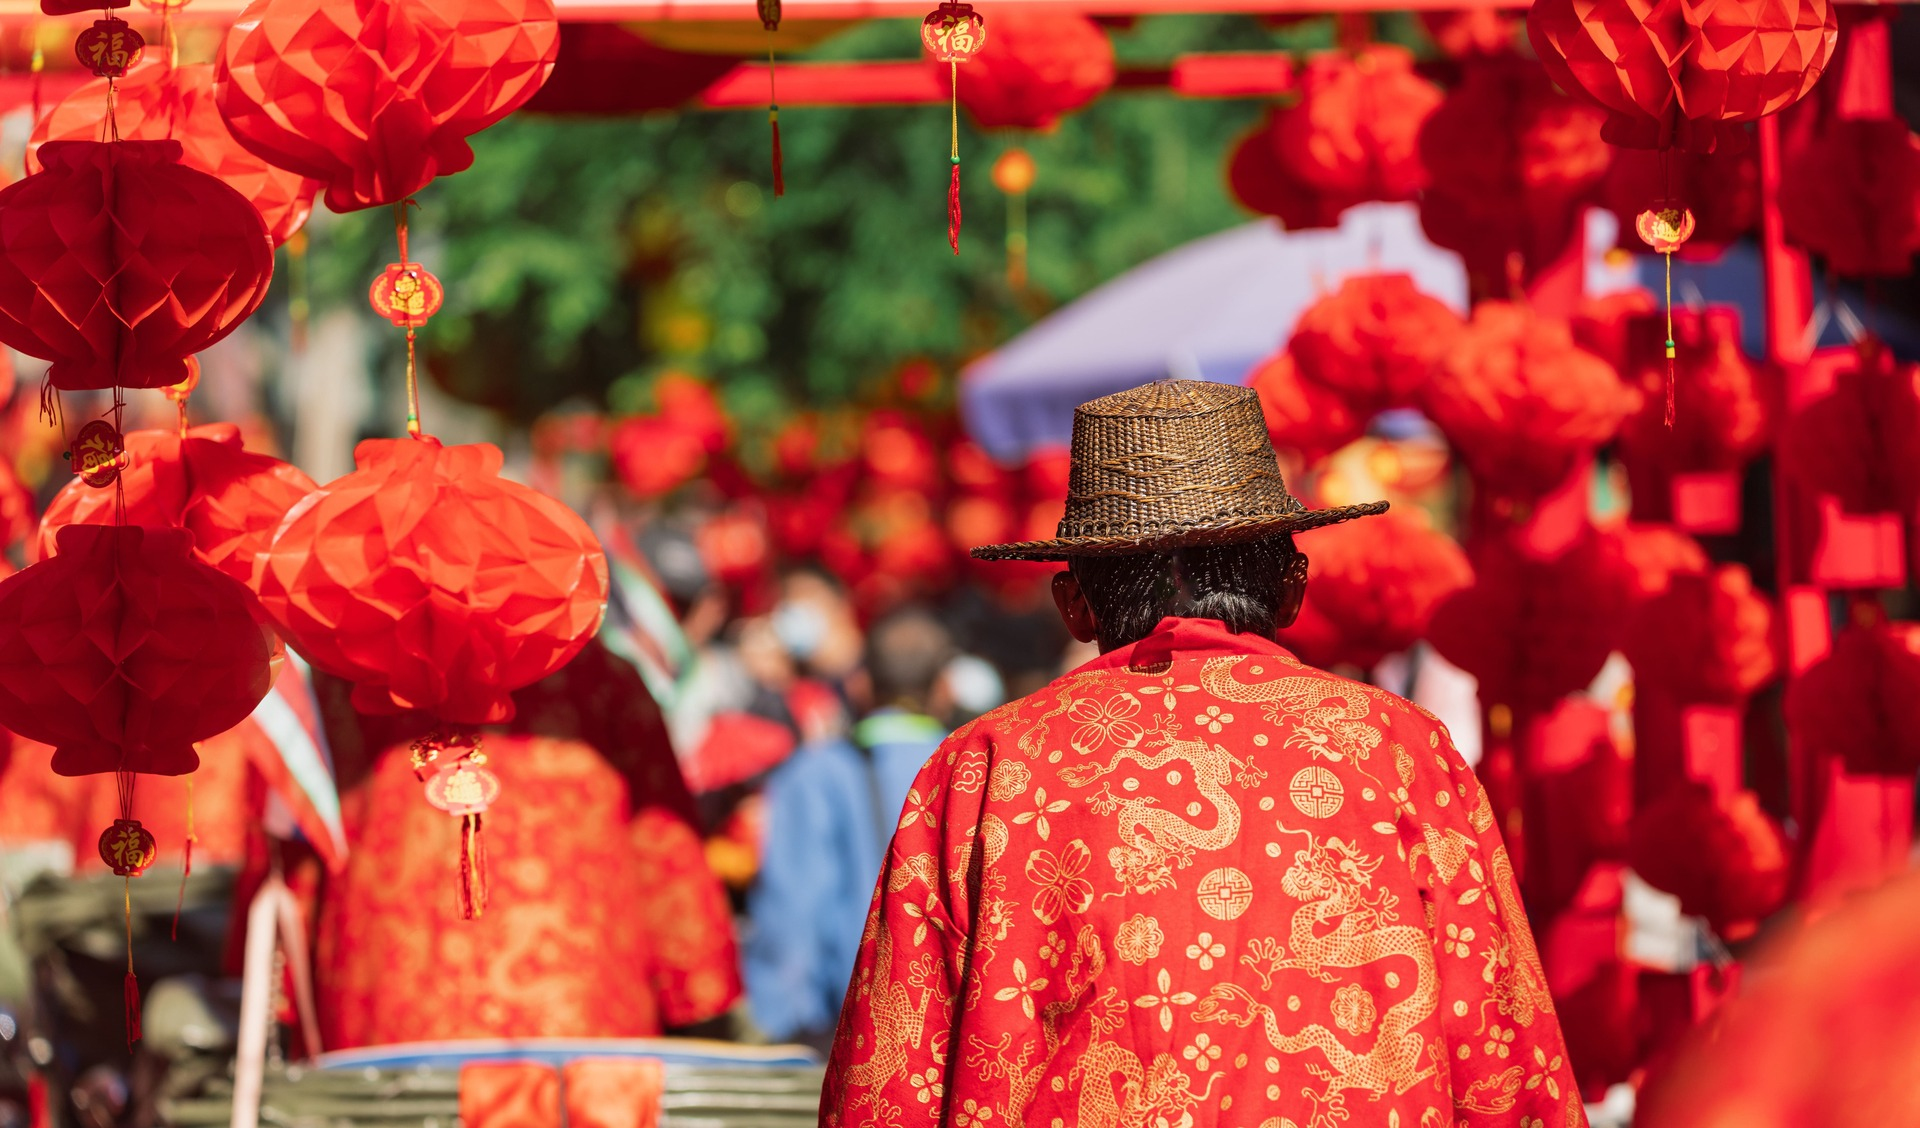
[[1243, 585], [906, 651]]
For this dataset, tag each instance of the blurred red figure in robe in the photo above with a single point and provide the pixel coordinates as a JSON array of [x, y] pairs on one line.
[[604, 920], [1195, 882]]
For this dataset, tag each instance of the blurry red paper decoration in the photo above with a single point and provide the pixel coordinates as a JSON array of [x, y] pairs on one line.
[[953, 33], [1374, 340], [1722, 188], [375, 99], [1852, 196], [231, 499], [117, 263], [1376, 584], [158, 101], [109, 48], [1263, 183], [1862, 702], [1684, 75], [1655, 554], [1721, 418], [1521, 402], [1857, 442], [1039, 65], [1303, 415], [1723, 856], [1708, 637], [1354, 134]]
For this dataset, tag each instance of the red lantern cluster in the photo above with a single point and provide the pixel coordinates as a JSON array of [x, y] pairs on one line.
[[157, 102], [1036, 66], [1372, 588], [1722, 856], [1852, 196], [1862, 702], [117, 263], [432, 583], [1373, 341], [654, 454], [375, 99], [122, 650], [1707, 637]]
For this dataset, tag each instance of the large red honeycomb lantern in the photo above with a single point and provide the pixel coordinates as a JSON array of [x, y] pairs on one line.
[[117, 263], [376, 98], [1038, 66]]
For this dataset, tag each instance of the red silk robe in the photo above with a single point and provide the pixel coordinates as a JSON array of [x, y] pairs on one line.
[[1194, 883]]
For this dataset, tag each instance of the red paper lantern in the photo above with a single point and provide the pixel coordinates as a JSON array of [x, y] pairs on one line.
[[1376, 584], [1512, 162], [733, 546], [432, 583], [156, 102], [895, 454], [1262, 183], [122, 650], [376, 98], [1852, 196], [1708, 637], [1374, 340], [1862, 701], [1301, 414], [117, 263], [1655, 554], [1520, 402], [1720, 421], [1723, 856], [1722, 188], [1354, 134], [1036, 66], [231, 499], [1857, 442], [1683, 75]]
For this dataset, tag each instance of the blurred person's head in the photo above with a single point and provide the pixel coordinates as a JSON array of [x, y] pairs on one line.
[[1254, 588], [814, 620], [907, 652]]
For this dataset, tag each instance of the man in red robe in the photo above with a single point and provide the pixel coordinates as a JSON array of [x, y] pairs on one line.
[[1195, 882]]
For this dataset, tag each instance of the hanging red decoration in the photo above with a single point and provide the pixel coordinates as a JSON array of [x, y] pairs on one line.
[[1374, 340], [376, 98], [1684, 76], [769, 12], [1723, 856], [1512, 163], [1467, 33], [1708, 637], [109, 48], [1354, 134], [1521, 402], [1721, 187], [432, 583], [1852, 196], [1301, 414], [231, 499], [156, 102], [1721, 417], [122, 650], [1862, 701], [1655, 554], [117, 263], [1600, 325], [1376, 584], [1039, 65], [97, 454], [953, 33], [1262, 183], [1857, 442]]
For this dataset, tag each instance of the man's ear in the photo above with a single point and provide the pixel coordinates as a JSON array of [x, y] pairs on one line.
[[1074, 610], [1293, 591]]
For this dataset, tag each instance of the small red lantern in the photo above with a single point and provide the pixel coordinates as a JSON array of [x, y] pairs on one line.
[[406, 294], [1263, 183], [1708, 637], [97, 454], [1039, 65], [377, 98], [110, 48], [156, 102], [1722, 188], [117, 263], [128, 848], [1726, 418], [1723, 856], [1374, 340], [953, 33]]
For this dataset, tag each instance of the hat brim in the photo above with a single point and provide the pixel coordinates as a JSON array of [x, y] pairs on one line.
[[1234, 532]]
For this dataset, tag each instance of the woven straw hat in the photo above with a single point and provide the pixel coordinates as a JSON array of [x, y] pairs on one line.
[[1172, 465]]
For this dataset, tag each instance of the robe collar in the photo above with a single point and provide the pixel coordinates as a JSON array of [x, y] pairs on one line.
[[1177, 637]]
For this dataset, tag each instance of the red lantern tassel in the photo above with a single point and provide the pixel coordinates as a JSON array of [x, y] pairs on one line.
[[779, 171], [1670, 376], [132, 993], [953, 208], [473, 869]]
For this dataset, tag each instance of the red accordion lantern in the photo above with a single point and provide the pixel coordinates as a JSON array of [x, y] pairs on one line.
[[1301, 414], [1708, 637], [1374, 340], [1684, 75], [1375, 584], [158, 102], [1355, 132], [231, 499], [1852, 196], [1037, 66], [432, 583], [376, 98], [117, 263], [1723, 856], [1262, 182], [1862, 702], [122, 650]]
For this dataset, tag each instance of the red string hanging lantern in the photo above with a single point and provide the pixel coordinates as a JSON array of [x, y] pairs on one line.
[[1521, 402], [158, 101], [231, 499], [1857, 441], [1512, 161], [1374, 340], [1354, 134], [119, 263], [1721, 187], [433, 584], [1301, 414], [376, 98], [953, 33], [1862, 701], [1723, 856], [1852, 196], [1375, 586], [1725, 419], [1038, 66]]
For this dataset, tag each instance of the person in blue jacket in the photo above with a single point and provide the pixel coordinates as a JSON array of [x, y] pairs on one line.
[[831, 810]]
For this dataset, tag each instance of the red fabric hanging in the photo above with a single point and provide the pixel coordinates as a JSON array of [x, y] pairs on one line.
[[158, 102], [1862, 702], [1375, 585], [375, 99], [231, 499], [1675, 75], [1036, 66], [117, 263], [1374, 340], [1852, 196], [1857, 441], [123, 650], [432, 583]]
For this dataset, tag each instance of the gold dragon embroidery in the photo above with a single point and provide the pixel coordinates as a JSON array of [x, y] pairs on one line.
[[1328, 717], [1155, 841]]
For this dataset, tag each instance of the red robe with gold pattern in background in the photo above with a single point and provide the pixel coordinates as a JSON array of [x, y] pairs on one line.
[[603, 919], [1197, 883]]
